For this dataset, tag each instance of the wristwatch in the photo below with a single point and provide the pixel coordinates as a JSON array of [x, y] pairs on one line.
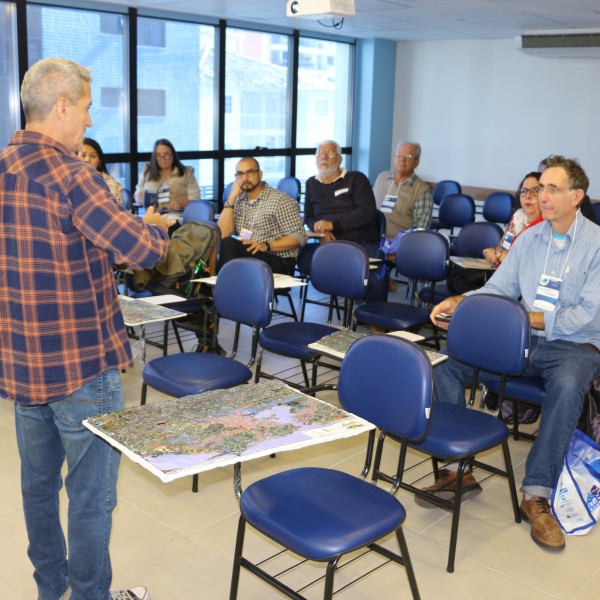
[[268, 245]]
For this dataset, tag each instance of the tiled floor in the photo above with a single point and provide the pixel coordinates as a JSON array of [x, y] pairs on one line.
[[180, 544]]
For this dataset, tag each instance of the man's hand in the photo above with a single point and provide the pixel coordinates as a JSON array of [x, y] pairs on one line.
[[254, 247], [326, 228], [447, 306], [536, 320], [152, 217]]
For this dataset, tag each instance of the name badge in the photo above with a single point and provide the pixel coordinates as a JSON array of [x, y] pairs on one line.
[[546, 296], [340, 192], [388, 203], [508, 240], [245, 234], [163, 194]]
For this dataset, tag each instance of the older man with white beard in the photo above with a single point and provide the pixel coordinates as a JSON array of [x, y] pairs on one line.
[[340, 205]]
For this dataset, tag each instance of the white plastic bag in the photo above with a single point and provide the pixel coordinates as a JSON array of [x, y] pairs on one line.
[[576, 498]]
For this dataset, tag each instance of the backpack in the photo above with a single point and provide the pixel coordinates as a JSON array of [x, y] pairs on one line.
[[189, 246]]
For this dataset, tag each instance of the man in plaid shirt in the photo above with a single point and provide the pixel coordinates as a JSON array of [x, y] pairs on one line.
[[62, 336], [265, 222]]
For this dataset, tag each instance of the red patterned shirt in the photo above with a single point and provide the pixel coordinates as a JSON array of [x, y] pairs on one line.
[[60, 233]]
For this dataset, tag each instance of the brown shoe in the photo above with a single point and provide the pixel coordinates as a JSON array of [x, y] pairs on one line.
[[545, 530], [445, 487]]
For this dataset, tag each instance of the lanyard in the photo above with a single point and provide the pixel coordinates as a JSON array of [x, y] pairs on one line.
[[568, 253]]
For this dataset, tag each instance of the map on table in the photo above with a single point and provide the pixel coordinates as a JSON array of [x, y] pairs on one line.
[[337, 344], [139, 312], [188, 435]]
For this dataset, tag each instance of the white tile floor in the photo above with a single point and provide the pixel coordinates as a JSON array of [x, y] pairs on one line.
[[180, 544]]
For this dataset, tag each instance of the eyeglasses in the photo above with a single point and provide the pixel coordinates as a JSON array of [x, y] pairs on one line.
[[165, 155], [328, 154], [406, 156], [553, 190], [249, 172], [532, 191]]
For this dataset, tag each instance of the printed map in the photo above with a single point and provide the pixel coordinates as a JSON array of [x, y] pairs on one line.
[[188, 435]]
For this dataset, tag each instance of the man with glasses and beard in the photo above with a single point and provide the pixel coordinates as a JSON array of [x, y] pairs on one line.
[[258, 221]]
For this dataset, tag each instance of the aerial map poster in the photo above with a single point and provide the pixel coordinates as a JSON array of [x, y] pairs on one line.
[[180, 437]]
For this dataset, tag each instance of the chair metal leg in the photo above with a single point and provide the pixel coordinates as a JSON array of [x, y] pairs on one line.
[[329, 575], [456, 505], [195, 483], [410, 573], [237, 559], [511, 481], [144, 390]]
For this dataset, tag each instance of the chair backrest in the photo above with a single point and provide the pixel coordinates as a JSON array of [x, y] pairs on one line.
[[473, 238], [491, 333], [381, 223], [226, 192], [388, 381], [201, 211], [423, 255], [444, 187], [498, 207], [456, 210], [244, 292], [290, 186], [340, 268], [596, 209]]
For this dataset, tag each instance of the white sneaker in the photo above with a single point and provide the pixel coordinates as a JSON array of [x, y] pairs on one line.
[[135, 593]]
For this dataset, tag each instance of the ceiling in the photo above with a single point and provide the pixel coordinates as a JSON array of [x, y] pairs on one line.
[[406, 19]]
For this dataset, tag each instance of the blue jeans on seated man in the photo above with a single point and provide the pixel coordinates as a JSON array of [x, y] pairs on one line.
[[378, 286], [232, 248], [46, 435], [567, 370]]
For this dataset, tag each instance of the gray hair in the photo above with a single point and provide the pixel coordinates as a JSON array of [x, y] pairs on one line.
[[338, 148], [415, 144], [47, 81]]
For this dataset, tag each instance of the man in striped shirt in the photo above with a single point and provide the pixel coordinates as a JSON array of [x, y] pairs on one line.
[[62, 336], [559, 256]]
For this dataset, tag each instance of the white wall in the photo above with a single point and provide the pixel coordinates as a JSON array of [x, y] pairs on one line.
[[485, 113]]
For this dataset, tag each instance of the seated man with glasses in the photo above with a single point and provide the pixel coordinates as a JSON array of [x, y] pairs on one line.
[[405, 199], [258, 221], [554, 268], [340, 205]]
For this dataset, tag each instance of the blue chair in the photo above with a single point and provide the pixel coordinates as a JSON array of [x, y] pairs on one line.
[[226, 192], [471, 240], [441, 189], [201, 211], [456, 433], [422, 256], [596, 209], [323, 514], [290, 186], [196, 372], [338, 268], [498, 207], [456, 210]]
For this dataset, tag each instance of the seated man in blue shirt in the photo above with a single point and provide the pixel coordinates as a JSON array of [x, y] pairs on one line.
[[340, 205], [564, 352]]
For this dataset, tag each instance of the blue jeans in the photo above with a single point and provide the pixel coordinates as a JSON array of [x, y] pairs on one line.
[[46, 435], [567, 370]]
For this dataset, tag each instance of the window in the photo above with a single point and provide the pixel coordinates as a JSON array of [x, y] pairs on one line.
[[258, 88], [77, 35], [176, 86], [324, 92], [9, 83], [111, 23], [151, 103], [151, 32]]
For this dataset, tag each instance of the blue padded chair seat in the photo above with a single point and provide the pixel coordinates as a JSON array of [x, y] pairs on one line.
[[456, 431], [320, 513], [391, 315], [529, 389], [193, 373], [292, 339]]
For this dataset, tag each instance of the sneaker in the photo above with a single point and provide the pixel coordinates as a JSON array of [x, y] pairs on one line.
[[545, 530], [445, 488], [136, 593]]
